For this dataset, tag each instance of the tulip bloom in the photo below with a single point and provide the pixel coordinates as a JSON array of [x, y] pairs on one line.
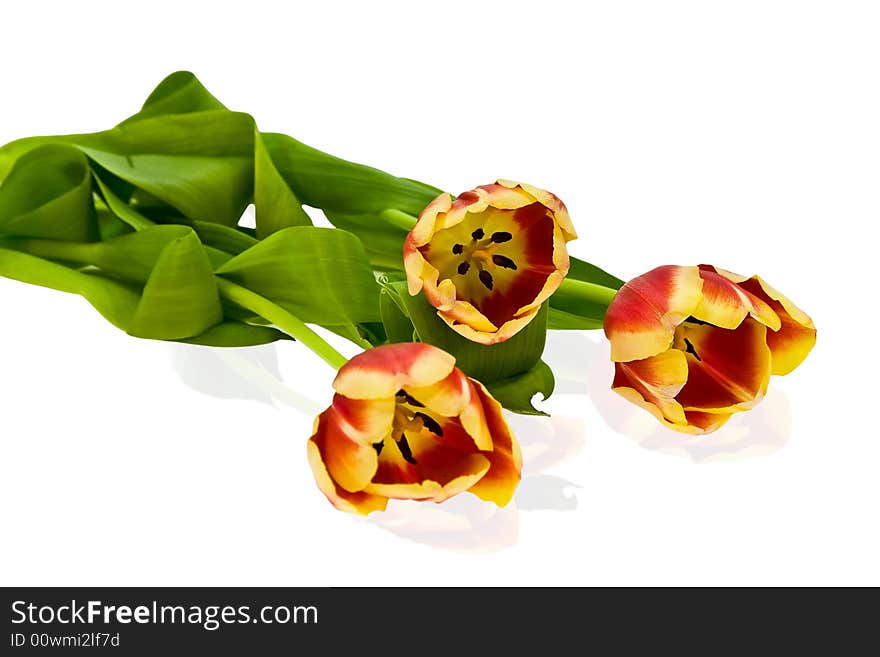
[[405, 423], [490, 258], [693, 345]]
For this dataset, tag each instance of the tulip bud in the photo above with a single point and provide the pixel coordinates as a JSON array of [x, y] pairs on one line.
[[693, 345]]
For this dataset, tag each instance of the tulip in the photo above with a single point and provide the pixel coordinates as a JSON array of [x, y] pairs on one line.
[[488, 259], [694, 345], [405, 423]]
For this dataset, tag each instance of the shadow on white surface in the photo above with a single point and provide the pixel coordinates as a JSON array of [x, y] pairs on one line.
[[462, 523], [583, 366], [249, 373]]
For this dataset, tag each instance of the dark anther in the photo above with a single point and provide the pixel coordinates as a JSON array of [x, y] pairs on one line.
[[503, 261], [463, 268], [458, 249], [378, 446], [486, 279], [689, 348], [694, 320], [404, 396], [501, 236], [430, 424], [405, 451], [478, 234]]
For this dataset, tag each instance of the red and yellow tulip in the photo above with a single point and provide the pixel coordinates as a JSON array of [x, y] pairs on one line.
[[694, 345], [405, 423], [488, 259]]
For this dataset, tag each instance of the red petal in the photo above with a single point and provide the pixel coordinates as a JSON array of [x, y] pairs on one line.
[[499, 484], [641, 320], [382, 371], [731, 369]]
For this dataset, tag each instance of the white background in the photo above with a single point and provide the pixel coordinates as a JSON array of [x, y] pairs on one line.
[[744, 134]]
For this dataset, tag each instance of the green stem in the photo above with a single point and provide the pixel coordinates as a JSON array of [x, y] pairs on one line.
[[399, 218], [282, 319], [588, 292]]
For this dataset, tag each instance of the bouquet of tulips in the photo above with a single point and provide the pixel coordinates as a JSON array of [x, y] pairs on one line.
[[450, 297]]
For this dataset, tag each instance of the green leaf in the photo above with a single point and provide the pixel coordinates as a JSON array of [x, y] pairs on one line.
[[560, 320], [116, 301], [383, 241], [121, 209], [180, 298], [201, 164], [230, 240], [48, 193], [341, 187], [276, 205], [320, 275], [119, 302], [516, 393], [486, 363], [584, 271], [237, 334], [130, 257], [179, 93]]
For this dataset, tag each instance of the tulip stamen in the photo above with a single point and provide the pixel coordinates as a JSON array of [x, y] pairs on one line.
[[430, 424], [504, 261], [482, 253], [405, 398], [689, 349], [405, 450], [378, 447]]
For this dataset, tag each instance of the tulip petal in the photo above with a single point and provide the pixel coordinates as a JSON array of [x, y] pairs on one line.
[[551, 201], [655, 381], [727, 370], [453, 398], [350, 463], [633, 396], [725, 304], [439, 471], [641, 320], [507, 330], [447, 396], [357, 502], [791, 344], [381, 371], [363, 420], [464, 312], [425, 226], [500, 482], [706, 422]]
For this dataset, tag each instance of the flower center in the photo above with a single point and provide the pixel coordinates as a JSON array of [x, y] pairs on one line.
[[479, 256], [681, 341], [410, 416]]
